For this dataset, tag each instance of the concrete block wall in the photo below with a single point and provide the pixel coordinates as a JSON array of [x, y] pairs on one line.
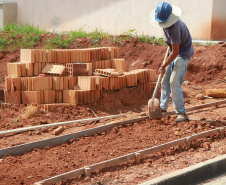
[[8, 13], [218, 26], [205, 18]]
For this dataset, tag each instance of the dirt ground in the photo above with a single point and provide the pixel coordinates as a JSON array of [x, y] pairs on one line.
[[207, 67]]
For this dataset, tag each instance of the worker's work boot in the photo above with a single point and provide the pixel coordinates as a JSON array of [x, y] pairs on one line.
[[181, 118]]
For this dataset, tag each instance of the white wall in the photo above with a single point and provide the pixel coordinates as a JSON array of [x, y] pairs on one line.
[[218, 29], [112, 16]]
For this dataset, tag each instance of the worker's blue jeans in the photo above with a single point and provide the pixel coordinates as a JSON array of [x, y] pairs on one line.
[[171, 82]]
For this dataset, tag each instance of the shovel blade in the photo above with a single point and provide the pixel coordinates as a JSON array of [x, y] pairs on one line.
[[154, 109]]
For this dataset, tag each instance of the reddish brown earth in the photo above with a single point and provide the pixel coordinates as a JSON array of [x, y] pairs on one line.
[[205, 68]]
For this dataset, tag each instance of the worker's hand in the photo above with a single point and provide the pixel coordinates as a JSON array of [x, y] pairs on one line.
[[162, 70]]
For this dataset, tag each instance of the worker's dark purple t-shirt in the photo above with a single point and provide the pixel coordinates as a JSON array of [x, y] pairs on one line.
[[178, 33]]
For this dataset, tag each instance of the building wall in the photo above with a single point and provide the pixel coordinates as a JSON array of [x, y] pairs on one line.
[[218, 28], [113, 16]]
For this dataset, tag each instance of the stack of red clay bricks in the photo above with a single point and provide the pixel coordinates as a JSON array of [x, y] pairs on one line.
[[65, 76]]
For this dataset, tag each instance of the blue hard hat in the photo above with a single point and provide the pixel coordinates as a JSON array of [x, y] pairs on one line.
[[163, 12]]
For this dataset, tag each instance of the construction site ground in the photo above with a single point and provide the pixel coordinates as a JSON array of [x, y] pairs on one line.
[[206, 68]]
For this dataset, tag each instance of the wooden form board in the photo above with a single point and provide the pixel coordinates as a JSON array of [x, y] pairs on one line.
[[21, 149], [79, 69], [87, 170], [216, 93]]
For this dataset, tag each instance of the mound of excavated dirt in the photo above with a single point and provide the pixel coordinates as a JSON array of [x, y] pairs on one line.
[[207, 65], [124, 100]]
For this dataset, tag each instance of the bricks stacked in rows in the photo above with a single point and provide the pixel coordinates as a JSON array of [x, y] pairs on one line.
[[24, 86], [84, 83], [68, 55], [33, 61]]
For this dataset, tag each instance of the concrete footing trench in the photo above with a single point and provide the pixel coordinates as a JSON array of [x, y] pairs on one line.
[[87, 151]]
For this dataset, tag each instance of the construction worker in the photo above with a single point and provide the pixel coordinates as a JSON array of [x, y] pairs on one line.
[[178, 38]]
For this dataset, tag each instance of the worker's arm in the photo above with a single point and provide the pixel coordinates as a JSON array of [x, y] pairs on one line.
[[172, 56]]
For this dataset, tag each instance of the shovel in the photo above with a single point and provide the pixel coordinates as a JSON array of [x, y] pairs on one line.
[[153, 104]]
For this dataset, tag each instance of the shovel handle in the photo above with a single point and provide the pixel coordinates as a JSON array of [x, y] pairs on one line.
[[156, 87], [160, 75]]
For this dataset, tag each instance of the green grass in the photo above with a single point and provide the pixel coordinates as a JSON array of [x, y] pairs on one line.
[[17, 36], [115, 40], [15, 120], [201, 44], [59, 41], [81, 33], [94, 36], [197, 43], [4, 43], [95, 42], [20, 36], [158, 41], [151, 39], [24, 29], [128, 35], [145, 38]]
